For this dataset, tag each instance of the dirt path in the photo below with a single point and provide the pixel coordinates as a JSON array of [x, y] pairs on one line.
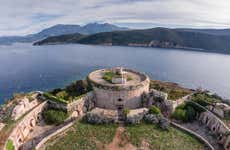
[[120, 141]]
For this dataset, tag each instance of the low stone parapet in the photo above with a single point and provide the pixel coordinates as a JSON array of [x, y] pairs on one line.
[[45, 139], [24, 105], [217, 127], [136, 115], [194, 134]]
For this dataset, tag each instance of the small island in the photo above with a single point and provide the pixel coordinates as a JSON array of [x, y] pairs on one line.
[[116, 108]]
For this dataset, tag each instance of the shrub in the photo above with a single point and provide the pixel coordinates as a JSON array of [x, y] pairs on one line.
[[180, 114], [78, 88], [62, 95], [196, 107], [53, 116], [10, 145], [190, 113], [55, 91], [154, 110], [181, 106], [185, 112], [204, 99]]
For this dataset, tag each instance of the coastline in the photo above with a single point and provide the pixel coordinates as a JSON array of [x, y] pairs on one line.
[[163, 48]]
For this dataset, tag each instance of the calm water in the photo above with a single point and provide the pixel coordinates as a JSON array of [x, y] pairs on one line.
[[24, 67]]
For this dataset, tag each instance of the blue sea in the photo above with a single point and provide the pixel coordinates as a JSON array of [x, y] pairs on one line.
[[25, 68]]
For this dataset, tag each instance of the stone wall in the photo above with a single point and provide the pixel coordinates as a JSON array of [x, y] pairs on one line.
[[101, 116], [179, 101], [220, 109], [193, 133], [217, 127], [45, 139], [79, 106], [136, 115], [24, 105], [24, 126], [110, 99]]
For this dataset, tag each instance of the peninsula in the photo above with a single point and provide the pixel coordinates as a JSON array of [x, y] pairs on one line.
[[156, 37], [115, 108]]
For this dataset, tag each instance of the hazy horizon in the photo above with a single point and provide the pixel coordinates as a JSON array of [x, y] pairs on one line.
[[22, 17]]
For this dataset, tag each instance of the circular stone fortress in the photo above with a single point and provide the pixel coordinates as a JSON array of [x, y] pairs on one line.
[[118, 88], [118, 96]]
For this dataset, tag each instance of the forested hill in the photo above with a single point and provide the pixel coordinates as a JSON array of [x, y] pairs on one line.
[[156, 37]]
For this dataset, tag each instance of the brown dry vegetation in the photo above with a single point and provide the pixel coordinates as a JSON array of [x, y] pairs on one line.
[[174, 90]]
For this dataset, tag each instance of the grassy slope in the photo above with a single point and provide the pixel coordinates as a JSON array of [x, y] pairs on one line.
[[83, 136], [159, 139]]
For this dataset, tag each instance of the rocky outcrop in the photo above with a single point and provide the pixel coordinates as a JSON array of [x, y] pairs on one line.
[[163, 122], [159, 99], [136, 115], [101, 116], [151, 118]]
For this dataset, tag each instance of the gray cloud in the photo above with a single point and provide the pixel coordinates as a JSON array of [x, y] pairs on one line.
[[19, 17]]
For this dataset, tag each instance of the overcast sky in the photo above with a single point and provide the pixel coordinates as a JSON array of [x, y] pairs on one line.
[[20, 17]]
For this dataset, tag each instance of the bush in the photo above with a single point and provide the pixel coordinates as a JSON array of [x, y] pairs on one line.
[[62, 95], [10, 145], [190, 113], [55, 91], [154, 110], [53, 116], [204, 99], [180, 114], [78, 88], [196, 107], [185, 112]]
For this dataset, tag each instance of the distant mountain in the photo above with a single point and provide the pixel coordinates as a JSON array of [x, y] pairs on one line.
[[156, 37], [61, 29]]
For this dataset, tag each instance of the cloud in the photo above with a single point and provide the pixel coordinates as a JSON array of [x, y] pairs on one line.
[[20, 17]]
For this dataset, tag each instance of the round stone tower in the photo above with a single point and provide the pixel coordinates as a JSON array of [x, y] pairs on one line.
[[118, 88]]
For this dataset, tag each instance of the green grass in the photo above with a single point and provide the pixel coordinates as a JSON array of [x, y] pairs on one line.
[[9, 145], [82, 136], [85, 136], [160, 139], [108, 76], [54, 98]]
